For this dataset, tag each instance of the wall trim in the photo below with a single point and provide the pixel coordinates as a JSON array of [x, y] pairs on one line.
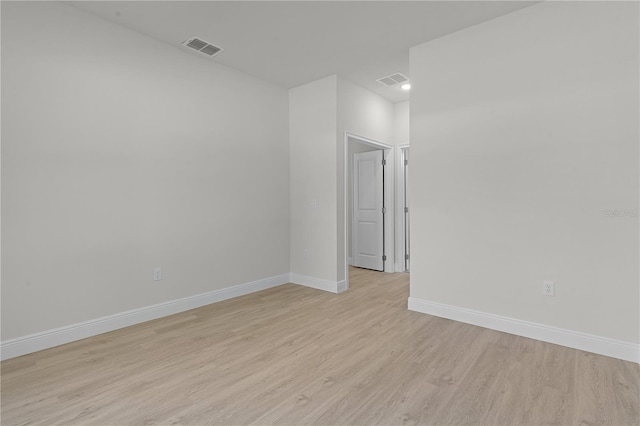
[[319, 283], [12, 348], [573, 339]]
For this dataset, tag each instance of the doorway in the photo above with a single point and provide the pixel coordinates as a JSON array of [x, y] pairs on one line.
[[355, 144]]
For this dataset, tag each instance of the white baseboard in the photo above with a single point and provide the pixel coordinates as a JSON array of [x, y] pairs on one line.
[[559, 336], [35, 342], [318, 283]]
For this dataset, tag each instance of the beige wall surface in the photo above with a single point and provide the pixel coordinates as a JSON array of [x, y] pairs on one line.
[[524, 135], [121, 154]]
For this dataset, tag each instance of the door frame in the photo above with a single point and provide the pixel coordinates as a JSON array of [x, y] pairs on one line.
[[400, 223], [389, 200]]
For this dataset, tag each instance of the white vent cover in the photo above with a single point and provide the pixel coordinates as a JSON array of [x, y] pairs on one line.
[[393, 79], [202, 46]]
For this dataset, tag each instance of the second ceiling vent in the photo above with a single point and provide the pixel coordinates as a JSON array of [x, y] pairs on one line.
[[393, 79], [202, 46]]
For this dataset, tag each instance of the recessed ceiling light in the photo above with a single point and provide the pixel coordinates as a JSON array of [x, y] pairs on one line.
[[406, 86]]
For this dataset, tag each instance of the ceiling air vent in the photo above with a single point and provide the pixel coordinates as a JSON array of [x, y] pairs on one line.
[[202, 46], [393, 79]]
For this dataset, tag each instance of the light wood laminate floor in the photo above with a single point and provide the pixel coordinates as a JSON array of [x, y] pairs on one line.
[[294, 355]]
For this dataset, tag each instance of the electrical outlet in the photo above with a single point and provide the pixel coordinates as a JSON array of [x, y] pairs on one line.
[[157, 274], [306, 254], [548, 288]]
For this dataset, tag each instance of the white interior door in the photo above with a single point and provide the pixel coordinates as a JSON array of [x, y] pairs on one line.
[[368, 204]]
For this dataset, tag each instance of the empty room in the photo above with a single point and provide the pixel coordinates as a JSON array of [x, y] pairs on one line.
[[320, 212]]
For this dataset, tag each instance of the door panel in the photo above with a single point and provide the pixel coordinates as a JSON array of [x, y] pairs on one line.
[[368, 202]]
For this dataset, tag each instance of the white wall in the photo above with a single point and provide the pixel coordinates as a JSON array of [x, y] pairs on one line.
[[366, 114], [121, 154], [524, 131], [312, 150], [401, 123]]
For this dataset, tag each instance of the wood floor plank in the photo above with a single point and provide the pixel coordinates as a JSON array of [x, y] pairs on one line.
[[292, 355]]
